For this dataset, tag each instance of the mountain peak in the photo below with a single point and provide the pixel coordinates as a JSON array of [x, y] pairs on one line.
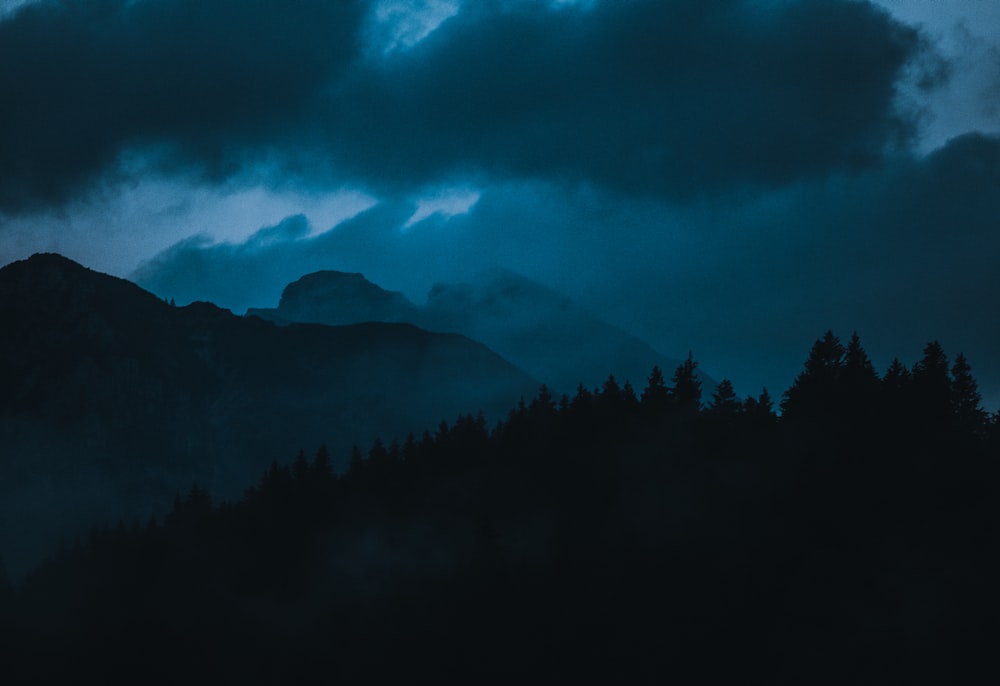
[[52, 258], [47, 280], [335, 297], [328, 283], [45, 261]]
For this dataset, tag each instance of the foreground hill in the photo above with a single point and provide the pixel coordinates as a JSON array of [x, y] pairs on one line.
[[537, 329], [113, 400], [605, 539]]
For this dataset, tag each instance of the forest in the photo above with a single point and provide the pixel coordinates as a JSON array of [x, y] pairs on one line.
[[845, 532]]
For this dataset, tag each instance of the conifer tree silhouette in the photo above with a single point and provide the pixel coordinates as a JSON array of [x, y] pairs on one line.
[[655, 397], [813, 394], [897, 379], [321, 469], [686, 391], [300, 468], [966, 399], [356, 463], [724, 401], [543, 406], [485, 541], [765, 405], [859, 373], [932, 392], [858, 390]]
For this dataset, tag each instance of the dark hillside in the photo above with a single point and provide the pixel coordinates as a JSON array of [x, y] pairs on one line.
[[649, 539], [113, 399]]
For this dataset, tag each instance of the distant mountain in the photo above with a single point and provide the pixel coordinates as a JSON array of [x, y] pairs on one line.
[[335, 298], [543, 332], [113, 400], [539, 330]]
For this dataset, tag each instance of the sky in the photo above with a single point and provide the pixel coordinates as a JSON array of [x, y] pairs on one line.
[[731, 178]]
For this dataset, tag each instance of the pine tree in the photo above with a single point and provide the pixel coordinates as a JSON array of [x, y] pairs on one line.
[[563, 404], [377, 454], [765, 403], [759, 411], [300, 468], [582, 401], [857, 392], [932, 369], [198, 500], [686, 392], [724, 400], [655, 397], [897, 379], [628, 395], [896, 392], [966, 399], [611, 391], [932, 388], [356, 465], [321, 469], [858, 373], [814, 393], [542, 408], [410, 449]]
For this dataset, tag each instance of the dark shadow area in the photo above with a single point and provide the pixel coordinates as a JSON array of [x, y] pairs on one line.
[[626, 537]]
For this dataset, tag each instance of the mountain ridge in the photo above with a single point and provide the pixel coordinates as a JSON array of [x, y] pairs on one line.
[[538, 329], [115, 399]]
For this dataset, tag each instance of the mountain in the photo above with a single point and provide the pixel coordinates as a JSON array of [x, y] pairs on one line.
[[332, 297], [542, 331], [114, 400], [539, 330]]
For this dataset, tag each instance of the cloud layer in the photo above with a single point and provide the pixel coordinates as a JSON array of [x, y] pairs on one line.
[[675, 99], [200, 85], [903, 254]]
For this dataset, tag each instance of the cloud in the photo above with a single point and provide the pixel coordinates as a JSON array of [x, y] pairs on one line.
[[252, 273], [903, 253], [671, 99], [205, 83], [674, 99]]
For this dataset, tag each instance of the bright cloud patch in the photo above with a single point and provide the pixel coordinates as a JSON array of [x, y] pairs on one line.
[[447, 204], [402, 24]]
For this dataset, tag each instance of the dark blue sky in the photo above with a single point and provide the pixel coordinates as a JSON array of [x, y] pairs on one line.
[[731, 177]]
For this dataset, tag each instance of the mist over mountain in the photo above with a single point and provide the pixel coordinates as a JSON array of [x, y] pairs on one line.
[[536, 328], [114, 400]]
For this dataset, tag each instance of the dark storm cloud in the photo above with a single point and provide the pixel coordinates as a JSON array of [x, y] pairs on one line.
[[664, 98], [205, 82], [675, 98]]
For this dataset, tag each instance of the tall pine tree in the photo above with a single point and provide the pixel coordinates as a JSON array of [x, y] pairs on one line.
[[686, 392]]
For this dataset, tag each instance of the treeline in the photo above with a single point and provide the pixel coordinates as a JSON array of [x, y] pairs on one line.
[[616, 535]]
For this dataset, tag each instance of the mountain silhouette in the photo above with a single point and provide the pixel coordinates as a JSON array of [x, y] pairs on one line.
[[333, 297], [539, 330], [114, 400]]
